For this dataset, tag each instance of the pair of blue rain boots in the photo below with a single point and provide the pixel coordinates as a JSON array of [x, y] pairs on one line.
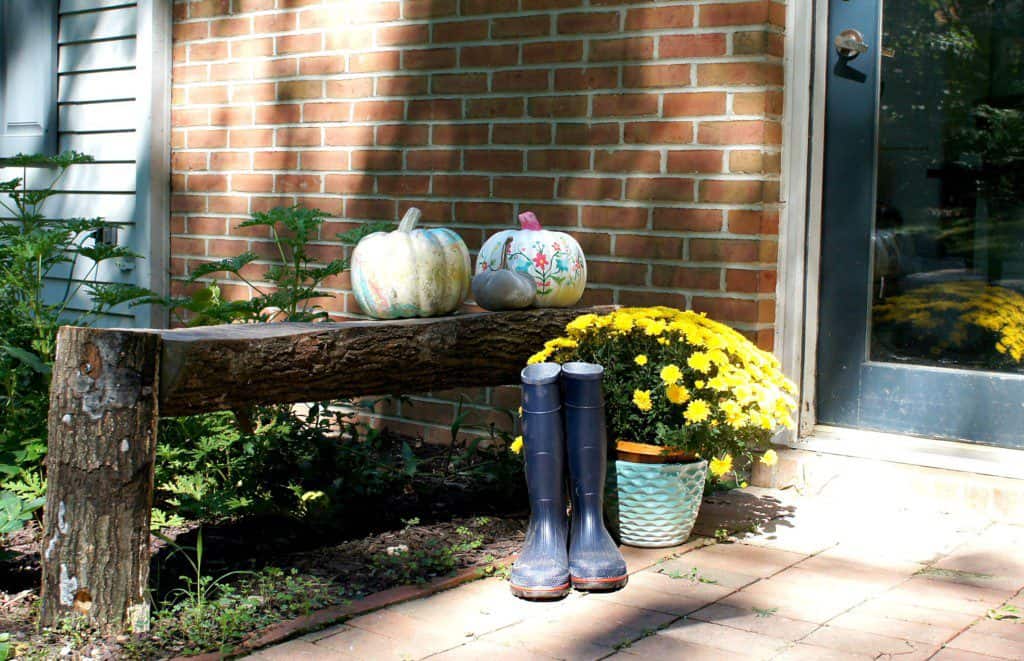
[[563, 417]]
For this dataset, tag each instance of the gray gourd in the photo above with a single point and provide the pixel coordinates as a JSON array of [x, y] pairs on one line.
[[502, 288]]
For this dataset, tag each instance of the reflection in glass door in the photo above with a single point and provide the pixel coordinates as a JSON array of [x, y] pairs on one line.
[[922, 313]]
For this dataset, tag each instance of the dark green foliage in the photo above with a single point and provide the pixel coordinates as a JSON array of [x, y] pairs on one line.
[[34, 250]]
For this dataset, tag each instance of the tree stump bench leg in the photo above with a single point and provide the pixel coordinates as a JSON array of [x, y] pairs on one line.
[[102, 449]]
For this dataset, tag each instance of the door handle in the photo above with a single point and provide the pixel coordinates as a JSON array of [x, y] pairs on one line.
[[850, 43]]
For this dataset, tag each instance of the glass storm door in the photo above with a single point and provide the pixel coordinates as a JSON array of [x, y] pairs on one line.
[[921, 318]]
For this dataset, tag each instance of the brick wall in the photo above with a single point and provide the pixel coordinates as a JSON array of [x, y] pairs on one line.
[[650, 130]]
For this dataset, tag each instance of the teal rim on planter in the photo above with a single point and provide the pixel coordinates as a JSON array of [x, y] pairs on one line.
[[658, 503]]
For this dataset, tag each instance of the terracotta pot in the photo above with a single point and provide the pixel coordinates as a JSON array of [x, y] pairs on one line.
[[657, 494]]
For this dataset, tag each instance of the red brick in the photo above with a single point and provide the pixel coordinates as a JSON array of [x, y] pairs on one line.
[[695, 160], [252, 183], [558, 159], [372, 209], [689, 104], [537, 25], [589, 78], [403, 134], [587, 134], [742, 221], [657, 75], [278, 114], [688, 220], [458, 185], [435, 109], [546, 52], [499, 107], [275, 22], [739, 73], [655, 18], [551, 4], [594, 243], [686, 277], [524, 80], [745, 13], [556, 215], [205, 8], [729, 251], [188, 203], [659, 132], [348, 135], [489, 56], [289, 90], [192, 74], [188, 161], [403, 35], [631, 48], [376, 159], [732, 191], [403, 184], [191, 117], [275, 160], [251, 137], [459, 134], [471, 7], [298, 137], [731, 133], [211, 50], [459, 31], [588, 22], [190, 31], [747, 161], [402, 85], [206, 183], [521, 134], [459, 83], [648, 247], [199, 138], [430, 58], [625, 105], [662, 189], [376, 61], [253, 92], [493, 160], [225, 247], [297, 183], [627, 160], [589, 188], [316, 66], [349, 88], [376, 111], [183, 246], [614, 217], [428, 8], [558, 106], [230, 160], [298, 43], [727, 309], [616, 273], [750, 282], [437, 160], [483, 213], [692, 45], [348, 183], [524, 187], [325, 160]]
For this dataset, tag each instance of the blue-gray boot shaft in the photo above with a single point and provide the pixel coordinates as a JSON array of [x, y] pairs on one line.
[[595, 562], [542, 568]]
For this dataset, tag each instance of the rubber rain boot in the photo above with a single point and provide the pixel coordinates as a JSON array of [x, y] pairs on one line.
[[595, 562], [542, 569]]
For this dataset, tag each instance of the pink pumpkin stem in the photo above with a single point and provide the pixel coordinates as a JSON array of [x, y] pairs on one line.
[[528, 221]]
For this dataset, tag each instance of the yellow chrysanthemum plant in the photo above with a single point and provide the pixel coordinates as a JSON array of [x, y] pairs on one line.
[[683, 381]]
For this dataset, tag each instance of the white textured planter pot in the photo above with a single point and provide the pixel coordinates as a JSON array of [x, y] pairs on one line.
[[658, 503]]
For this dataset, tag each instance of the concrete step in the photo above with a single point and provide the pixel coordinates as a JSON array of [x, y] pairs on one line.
[[875, 469]]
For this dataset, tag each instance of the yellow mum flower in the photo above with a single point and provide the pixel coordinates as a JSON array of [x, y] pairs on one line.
[[539, 357], [640, 360], [697, 411], [642, 399], [516, 445], [770, 458], [699, 361], [720, 467], [670, 374], [623, 323], [581, 323], [677, 394]]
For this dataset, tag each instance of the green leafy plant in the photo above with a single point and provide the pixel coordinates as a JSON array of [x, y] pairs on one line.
[[51, 273]]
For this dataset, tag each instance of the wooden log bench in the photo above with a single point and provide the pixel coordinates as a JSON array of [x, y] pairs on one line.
[[110, 387]]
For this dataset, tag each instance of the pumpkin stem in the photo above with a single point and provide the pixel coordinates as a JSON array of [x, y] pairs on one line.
[[504, 254], [528, 221], [409, 220]]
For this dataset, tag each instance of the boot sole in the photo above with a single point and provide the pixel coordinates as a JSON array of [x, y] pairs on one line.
[[539, 594], [600, 584]]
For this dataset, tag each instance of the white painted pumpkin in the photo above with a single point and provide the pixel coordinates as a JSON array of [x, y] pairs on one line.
[[554, 260], [410, 272]]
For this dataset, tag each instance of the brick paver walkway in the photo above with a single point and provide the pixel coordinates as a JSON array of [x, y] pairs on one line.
[[808, 579]]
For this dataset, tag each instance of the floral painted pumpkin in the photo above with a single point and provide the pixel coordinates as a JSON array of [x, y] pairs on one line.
[[410, 272], [554, 260]]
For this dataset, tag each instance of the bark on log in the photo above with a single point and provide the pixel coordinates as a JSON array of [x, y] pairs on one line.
[[230, 367], [102, 446]]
